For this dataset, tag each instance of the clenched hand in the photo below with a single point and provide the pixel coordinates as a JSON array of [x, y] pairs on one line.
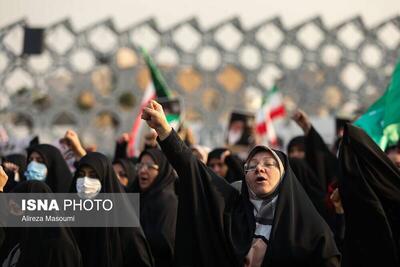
[[154, 116]]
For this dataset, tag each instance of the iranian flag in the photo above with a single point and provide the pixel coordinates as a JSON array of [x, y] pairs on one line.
[[157, 88], [272, 108]]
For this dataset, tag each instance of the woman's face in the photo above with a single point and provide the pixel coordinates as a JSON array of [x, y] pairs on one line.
[[394, 156], [296, 152], [147, 172], [121, 174], [88, 183], [218, 166], [262, 173]]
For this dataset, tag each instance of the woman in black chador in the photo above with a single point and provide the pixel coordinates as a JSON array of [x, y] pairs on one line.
[[46, 164], [158, 204], [270, 222], [40, 246], [126, 172], [106, 246], [370, 191]]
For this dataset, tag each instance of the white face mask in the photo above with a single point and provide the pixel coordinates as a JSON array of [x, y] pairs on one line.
[[87, 187], [36, 171]]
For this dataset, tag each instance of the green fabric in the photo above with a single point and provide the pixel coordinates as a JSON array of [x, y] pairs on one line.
[[161, 87], [159, 82], [174, 120], [382, 119], [272, 91]]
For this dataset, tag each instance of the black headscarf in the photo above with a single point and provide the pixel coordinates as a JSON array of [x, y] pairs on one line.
[[20, 161], [45, 246], [216, 223], [129, 168], [216, 153], [158, 209], [120, 150], [298, 141], [165, 177], [59, 176], [110, 247], [234, 163], [370, 191]]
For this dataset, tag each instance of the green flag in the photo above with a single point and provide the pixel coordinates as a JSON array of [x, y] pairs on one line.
[[382, 119], [160, 85], [171, 106]]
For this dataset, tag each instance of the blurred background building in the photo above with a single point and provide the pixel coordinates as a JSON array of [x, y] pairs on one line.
[[328, 58]]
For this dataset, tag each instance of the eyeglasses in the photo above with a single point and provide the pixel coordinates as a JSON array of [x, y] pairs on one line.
[[147, 166], [252, 166]]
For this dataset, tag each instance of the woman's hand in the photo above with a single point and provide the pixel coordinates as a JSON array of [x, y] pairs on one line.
[[302, 120], [3, 178], [154, 116]]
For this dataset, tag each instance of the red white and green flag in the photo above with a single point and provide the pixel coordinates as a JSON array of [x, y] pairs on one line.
[[272, 109], [157, 88]]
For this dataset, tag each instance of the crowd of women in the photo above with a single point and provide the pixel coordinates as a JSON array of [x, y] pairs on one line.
[[313, 206]]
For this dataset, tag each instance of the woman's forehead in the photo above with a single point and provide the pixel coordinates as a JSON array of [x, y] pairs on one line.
[[262, 155], [118, 165], [86, 168], [35, 153], [147, 158]]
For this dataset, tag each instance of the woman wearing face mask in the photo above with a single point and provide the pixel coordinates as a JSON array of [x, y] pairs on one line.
[[125, 171], [270, 222], [40, 246], [158, 204], [106, 247], [46, 164]]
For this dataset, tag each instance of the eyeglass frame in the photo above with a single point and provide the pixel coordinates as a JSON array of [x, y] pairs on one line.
[[149, 166], [269, 166]]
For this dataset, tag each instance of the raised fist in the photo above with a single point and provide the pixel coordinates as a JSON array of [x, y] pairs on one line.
[[154, 116], [72, 140], [301, 118], [3, 178]]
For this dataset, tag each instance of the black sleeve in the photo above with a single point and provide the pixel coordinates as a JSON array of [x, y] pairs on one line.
[[324, 164], [147, 146], [2, 236], [339, 230], [203, 232], [120, 150], [189, 168], [332, 262], [159, 227], [136, 250], [61, 253], [235, 168], [2, 232]]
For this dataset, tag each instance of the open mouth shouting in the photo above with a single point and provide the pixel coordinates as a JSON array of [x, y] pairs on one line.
[[261, 179]]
